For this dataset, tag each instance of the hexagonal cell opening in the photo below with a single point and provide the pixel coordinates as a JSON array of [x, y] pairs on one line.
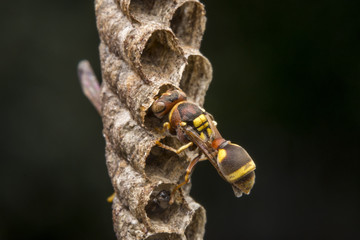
[[196, 78], [151, 121], [196, 229], [150, 10], [165, 165], [159, 58], [188, 23], [158, 207], [165, 236], [164, 215], [159, 200]]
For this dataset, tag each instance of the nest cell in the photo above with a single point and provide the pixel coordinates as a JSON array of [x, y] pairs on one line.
[[188, 23], [150, 10], [165, 236], [164, 165], [196, 78], [165, 216], [161, 57], [158, 209], [195, 230], [152, 122]]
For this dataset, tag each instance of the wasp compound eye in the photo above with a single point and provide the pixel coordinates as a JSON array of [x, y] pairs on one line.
[[235, 164], [158, 107]]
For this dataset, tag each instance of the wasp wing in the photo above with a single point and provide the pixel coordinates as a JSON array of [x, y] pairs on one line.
[[204, 146], [216, 134]]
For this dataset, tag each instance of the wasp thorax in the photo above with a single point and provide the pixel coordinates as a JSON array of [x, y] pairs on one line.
[[237, 166]]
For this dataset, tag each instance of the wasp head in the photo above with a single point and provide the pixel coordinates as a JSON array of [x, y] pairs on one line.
[[166, 102]]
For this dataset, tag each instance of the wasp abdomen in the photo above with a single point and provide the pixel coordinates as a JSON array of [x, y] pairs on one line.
[[234, 162]]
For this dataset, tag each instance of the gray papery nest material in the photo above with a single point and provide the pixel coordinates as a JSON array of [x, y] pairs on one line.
[[148, 47]]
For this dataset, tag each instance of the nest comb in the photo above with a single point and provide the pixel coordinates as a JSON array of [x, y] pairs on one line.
[[148, 47]]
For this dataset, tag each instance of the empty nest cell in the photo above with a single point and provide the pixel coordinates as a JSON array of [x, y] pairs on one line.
[[165, 236], [196, 78], [164, 165], [150, 10], [188, 23], [160, 58]]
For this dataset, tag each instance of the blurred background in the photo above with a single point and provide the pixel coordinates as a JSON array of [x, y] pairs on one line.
[[286, 87]]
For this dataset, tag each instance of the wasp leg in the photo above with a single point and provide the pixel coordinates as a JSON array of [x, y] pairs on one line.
[[166, 126], [187, 178], [111, 198], [177, 151], [203, 159]]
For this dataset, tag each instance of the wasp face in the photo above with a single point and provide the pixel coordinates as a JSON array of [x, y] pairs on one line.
[[166, 102], [236, 166]]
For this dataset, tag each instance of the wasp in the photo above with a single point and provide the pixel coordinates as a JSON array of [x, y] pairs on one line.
[[158, 202], [194, 127]]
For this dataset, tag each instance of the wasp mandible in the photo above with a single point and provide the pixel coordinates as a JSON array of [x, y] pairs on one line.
[[194, 127]]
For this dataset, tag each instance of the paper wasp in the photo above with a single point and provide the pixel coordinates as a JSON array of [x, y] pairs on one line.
[[193, 125]]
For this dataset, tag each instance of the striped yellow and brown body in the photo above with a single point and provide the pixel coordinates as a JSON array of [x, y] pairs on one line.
[[189, 114], [191, 123], [236, 166]]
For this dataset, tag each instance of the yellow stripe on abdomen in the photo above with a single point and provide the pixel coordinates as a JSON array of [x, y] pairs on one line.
[[247, 168], [221, 155]]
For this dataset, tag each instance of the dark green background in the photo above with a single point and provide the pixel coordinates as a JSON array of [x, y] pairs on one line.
[[286, 87]]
